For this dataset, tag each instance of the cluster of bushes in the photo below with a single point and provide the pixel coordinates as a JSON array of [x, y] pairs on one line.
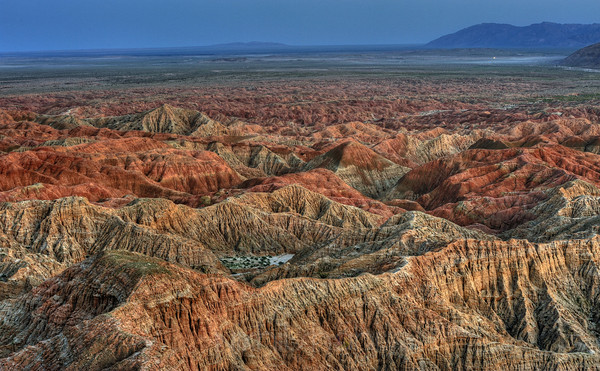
[[246, 262]]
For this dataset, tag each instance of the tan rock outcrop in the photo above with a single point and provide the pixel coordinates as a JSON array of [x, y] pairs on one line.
[[470, 305]]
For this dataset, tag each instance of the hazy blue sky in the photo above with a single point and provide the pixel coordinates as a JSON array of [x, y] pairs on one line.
[[88, 24]]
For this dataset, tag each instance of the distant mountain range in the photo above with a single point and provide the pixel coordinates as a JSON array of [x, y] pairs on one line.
[[588, 57], [249, 45], [540, 35]]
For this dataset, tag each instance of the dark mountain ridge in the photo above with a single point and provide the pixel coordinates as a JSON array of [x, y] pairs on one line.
[[539, 35]]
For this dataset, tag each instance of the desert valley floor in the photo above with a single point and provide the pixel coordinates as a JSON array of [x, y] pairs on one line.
[[281, 214]]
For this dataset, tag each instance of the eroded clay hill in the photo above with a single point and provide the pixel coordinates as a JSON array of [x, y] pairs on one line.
[[469, 305], [458, 237]]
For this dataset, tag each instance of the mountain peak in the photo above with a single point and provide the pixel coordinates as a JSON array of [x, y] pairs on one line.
[[539, 35]]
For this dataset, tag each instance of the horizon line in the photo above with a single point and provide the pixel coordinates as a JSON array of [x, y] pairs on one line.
[[253, 45]]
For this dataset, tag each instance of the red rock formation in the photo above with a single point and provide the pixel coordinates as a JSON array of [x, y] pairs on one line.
[[494, 187], [432, 234], [113, 168], [368, 133], [324, 182], [360, 167]]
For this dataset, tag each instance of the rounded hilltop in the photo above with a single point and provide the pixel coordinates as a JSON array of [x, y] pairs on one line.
[[588, 57]]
